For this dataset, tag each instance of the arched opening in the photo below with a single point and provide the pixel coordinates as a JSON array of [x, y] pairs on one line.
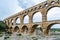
[[7, 27], [26, 19], [53, 14], [36, 29], [37, 17], [53, 29], [5, 21], [17, 21], [16, 29], [12, 21], [24, 29], [8, 22], [10, 27]]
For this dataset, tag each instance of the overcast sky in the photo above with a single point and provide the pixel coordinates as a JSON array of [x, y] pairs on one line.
[[11, 7]]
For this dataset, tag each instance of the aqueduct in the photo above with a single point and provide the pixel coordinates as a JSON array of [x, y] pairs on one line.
[[43, 7]]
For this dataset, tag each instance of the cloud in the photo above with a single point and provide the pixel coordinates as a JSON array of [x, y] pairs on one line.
[[8, 8], [11, 7], [28, 3], [56, 26], [38, 1]]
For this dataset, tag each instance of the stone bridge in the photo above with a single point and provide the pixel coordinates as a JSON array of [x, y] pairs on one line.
[[43, 7]]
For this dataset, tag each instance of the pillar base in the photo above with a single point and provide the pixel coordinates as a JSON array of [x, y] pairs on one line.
[[45, 32]]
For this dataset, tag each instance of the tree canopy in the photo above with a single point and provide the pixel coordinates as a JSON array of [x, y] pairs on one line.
[[3, 26]]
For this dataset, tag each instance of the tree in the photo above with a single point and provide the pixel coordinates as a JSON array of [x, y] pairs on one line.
[[41, 29], [3, 26]]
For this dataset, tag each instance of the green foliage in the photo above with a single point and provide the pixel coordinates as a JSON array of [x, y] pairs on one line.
[[18, 34], [55, 29], [3, 26], [34, 38], [40, 29]]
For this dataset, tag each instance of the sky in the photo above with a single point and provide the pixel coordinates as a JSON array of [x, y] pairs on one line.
[[11, 7]]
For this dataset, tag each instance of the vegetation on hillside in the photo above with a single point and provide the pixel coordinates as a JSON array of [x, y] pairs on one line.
[[3, 27], [55, 29]]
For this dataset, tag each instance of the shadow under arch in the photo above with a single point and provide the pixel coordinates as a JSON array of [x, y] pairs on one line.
[[8, 22], [49, 26], [24, 29], [12, 21], [16, 29], [11, 27], [36, 27]]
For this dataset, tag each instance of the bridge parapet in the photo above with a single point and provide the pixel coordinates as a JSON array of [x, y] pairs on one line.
[[53, 0]]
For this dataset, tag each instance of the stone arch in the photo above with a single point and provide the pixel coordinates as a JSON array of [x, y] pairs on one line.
[[52, 2], [26, 19], [24, 29], [46, 5], [49, 26], [49, 7], [53, 14], [36, 28], [37, 15], [7, 27], [4, 21], [11, 27], [8, 22], [16, 28], [12, 21], [17, 21]]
